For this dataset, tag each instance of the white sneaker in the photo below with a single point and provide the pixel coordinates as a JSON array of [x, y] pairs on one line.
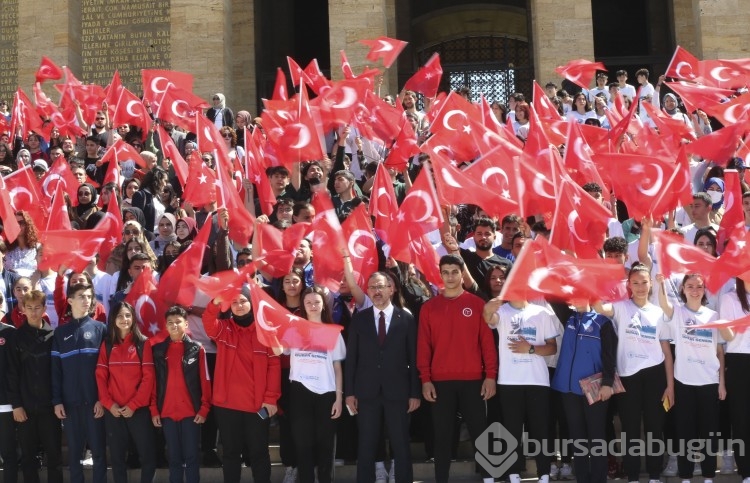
[[727, 463], [381, 474], [654, 481], [88, 460], [339, 462], [697, 469], [514, 478], [671, 469], [544, 479], [746, 480], [566, 472], [554, 471], [290, 475], [392, 472]]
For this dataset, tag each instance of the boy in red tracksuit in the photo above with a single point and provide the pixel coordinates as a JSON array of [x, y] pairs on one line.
[[181, 400]]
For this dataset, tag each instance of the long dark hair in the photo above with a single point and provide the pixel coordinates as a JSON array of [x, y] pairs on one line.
[[742, 295], [113, 334], [298, 272], [325, 316]]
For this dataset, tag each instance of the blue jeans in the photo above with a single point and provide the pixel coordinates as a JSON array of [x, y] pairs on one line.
[[183, 447]]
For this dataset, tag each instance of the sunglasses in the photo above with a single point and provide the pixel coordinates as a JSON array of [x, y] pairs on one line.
[[130, 232], [216, 99]]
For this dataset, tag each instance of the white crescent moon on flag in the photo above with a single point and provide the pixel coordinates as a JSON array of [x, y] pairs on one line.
[[539, 180], [155, 84], [49, 179], [350, 97], [656, 187], [174, 107], [384, 46], [260, 317], [140, 302], [303, 139], [19, 189], [128, 108], [716, 74], [678, 70], [729, 114], [572, 218], [449, 179], [490, 172], [381, 192], [673, 250], [352, 244], [536, 277], [427, 202], [448, 115]]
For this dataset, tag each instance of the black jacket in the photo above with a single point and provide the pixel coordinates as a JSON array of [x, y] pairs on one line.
[[29, 374], [191, 371], [7, 334]]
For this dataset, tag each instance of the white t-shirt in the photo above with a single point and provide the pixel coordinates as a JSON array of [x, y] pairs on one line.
[[47, 284], [690, 231], [537, 325], [696, 362], [596, 91], [576, 116], [314, 369], [640, 331], [730, 309], [628, 91]]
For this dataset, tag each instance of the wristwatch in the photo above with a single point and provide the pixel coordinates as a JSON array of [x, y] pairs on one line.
[[532, 350]]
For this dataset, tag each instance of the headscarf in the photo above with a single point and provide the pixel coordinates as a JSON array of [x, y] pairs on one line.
[[192, 228], [718, 182], [222, 100], [84, 210], [676, 109], [246, 116], [18, 157]]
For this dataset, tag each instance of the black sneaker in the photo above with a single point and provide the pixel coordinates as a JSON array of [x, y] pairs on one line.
[[211, 459]]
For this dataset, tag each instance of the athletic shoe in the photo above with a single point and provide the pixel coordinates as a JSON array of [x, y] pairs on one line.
[[727, 463], [516, 478], [381, 474], [554, 471], [290, 475], [566, 472], [392, 472], [671, 469]]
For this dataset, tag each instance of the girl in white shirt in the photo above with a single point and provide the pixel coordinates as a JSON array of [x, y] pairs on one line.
[[316, 393], [644, 362], [734, 305], [581, 109], [698, 371]]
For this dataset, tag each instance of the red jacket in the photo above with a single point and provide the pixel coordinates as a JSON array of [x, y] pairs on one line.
[[247, 373], [122, 378], [61, 305], [453, 341], [17, 319]]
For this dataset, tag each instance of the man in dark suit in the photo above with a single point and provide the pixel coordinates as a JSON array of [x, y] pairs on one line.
[[381, 378]]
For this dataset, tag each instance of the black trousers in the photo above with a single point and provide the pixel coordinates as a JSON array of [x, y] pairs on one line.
[[313, 432], [209, 429], [242, 431], [370, 415], [558, 423], [586, 422], [8, 447], [82, 427], [641, 402], [737, 367], [286, 442], [119, 432], [452, 396], [42, 428], [697, 417], [531, 404]]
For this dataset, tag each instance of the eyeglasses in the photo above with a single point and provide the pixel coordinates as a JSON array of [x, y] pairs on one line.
[[226, 136], [99, 118], [378, 288], [130, 232]]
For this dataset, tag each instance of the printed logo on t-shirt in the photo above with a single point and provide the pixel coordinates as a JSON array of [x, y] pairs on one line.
[[635, 327], [132, 349], [467, 312], [517, 328], [693, 332]]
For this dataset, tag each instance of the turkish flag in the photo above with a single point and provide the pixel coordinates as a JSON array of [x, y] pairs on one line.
[[26, 194], [733, 261], [684, 66], [339, 103], [113, 221], [112, 92], [66, 122], [156, 81], [580, 222], [721, 145], [580, 72], [361, 244], [738, 325], [11, 228], [455, 187], [496, 170], [149, 308], [296, 72], [536, 182], [731, 112], [677, 256], [24, 116], [120, 151], [346, 67], [668, 126], [384, 48], [734, 216], [241, 221], [327, 244], [382, 121], [577, 161], [696, 96], [427, 79], [318, 82], [383, 203], [59, 218], [543, 105], [179, 107], [297, 139], [89, 97], [489, 121], [59, 173], [176, 283], [403, 149], [277, 326], [73, 249], [419, 214], [280, 87], [256, 173], [48, 70], [130, 110], [173, 154], [44, 105], [425, 259], [723, 73], [279, 248], [200, 188], [228, 283], [543, 271]]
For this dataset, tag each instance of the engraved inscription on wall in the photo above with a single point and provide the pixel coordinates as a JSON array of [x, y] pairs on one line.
[[8, 49], [124, 35]]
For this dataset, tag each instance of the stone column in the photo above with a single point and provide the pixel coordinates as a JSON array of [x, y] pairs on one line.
[[721, 27], [242, 57], [352, 20], [560, 33]]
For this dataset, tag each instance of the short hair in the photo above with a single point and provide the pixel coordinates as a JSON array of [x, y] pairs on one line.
[[540, 228], [244, 251], [177, 310], [272, 170], [93, 139], [703, 196], [81, 287], [643, 72], [299, 206], [33, 296], [464, 91], [523, 106], [621, 72], [511, 219], [451, 259], [4, 246], [592, 187], [484, 221], [139, 256], [550, 85], [518, 97], [616, 244], [518, 234], [708, 233]]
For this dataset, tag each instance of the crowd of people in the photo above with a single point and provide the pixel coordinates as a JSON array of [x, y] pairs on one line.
[[416, 358]]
